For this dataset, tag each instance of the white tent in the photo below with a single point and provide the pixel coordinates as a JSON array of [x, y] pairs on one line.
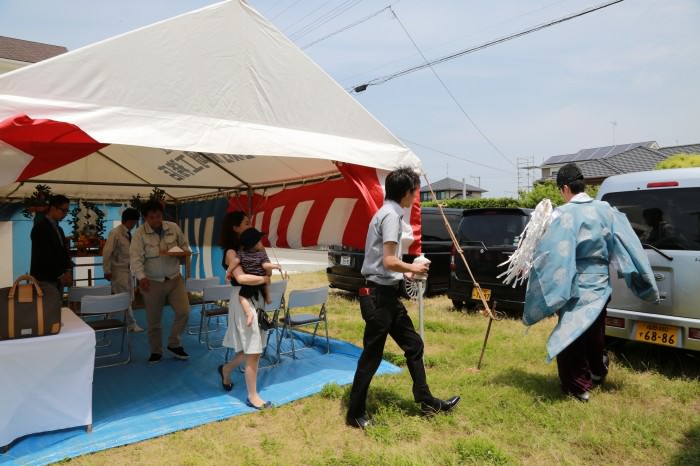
[[217, 99]]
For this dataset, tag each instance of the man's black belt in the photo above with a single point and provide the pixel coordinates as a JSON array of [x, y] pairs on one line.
[[371, 284]]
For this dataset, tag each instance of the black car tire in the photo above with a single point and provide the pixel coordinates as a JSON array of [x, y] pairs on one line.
[[459, 304]]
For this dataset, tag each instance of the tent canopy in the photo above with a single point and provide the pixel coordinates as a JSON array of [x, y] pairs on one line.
[[217, 99]]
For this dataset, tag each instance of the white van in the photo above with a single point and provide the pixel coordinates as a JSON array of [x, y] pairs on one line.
[[663, 207]]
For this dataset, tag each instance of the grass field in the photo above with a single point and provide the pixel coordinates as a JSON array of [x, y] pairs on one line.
[[512, 411]]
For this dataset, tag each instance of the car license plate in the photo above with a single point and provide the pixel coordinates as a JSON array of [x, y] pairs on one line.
[[475, 294], [658, 334], [344, 260]]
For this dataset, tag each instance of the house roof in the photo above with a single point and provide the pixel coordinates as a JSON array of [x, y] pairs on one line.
[[28, 51], [450, 184], [597, 153], [634, 160], [673, 150]]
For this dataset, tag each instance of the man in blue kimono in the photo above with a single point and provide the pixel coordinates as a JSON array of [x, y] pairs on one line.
[[570, 277]]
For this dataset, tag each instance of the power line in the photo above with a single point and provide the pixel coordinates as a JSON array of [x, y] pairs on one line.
[[352, 25], [383, 79], [454, 99], [284, 11], [385, 65], [453, 156], [323, 19]]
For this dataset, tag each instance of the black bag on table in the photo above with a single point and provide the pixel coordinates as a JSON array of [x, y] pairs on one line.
[[29, 309]]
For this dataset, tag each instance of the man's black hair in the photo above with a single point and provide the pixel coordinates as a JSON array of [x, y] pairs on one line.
[[130, 214], [151, 206], [570, 175], [57, 200], [399, 182]]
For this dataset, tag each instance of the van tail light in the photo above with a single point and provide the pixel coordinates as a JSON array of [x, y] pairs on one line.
[[452, 259], [694, 333], [662, 184], [615, 322]]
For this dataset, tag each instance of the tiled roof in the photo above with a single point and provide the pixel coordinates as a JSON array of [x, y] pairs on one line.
[[673, 150], [596, 153], [28, 51], [449, 184], [635, 160]]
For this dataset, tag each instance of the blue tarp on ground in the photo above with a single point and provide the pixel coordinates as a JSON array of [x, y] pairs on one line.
[[139, 401]]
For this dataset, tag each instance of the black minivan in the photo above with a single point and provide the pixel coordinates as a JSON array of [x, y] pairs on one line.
[[487, 236], [345, 264]]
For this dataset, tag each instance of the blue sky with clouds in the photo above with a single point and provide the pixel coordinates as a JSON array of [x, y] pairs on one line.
[[627, 73]]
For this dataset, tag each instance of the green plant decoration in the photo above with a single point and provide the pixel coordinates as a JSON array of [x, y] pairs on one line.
[[156, 194], [37, 201]]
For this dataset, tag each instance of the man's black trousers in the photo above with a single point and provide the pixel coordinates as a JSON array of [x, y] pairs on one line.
[[385, 315]]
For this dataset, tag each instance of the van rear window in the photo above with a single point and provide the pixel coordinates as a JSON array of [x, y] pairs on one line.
[[663, 218], [492, 229]]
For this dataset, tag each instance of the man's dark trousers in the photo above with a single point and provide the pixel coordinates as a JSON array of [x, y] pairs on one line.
[[583, 357], [388, 317]]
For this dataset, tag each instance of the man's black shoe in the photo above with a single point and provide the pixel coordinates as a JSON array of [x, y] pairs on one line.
[[436, 405], [361, 422], [179, 352], [155, 357]]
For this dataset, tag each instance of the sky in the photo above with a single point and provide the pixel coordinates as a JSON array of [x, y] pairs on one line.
[[625, 73]]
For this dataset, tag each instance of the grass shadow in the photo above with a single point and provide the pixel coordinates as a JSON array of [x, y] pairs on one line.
[[542, 386], [689, 453], [642, 357], [379, 397]]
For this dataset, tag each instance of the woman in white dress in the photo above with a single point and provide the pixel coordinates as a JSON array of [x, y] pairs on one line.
[[244, 334]]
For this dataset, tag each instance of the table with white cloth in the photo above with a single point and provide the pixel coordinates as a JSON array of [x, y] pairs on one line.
[[46, 382]]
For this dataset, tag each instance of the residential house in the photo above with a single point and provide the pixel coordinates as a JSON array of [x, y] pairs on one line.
[[16, 53], [449, 188], [599, 163]]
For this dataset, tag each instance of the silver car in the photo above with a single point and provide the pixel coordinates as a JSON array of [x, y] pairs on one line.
[[663, 207]]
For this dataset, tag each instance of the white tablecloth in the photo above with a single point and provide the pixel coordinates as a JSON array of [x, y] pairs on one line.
[[46, 382]]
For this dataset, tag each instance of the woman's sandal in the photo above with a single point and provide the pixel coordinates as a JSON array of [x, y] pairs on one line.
[[227, 386]]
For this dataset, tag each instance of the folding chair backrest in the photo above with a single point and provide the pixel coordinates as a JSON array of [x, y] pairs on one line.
[[197, 285], [104, 304], [277, 290], [217, 293], [76, 293], [306, 298]]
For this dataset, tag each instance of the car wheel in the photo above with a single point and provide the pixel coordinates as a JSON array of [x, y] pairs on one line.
[[458, 304]]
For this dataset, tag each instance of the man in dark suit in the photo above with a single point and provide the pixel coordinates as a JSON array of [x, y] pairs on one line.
[[50, 260]]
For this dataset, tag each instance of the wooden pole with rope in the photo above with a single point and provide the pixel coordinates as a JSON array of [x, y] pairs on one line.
[[492, 314]]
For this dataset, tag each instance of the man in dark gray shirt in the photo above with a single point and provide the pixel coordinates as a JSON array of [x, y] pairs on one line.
[[382, 311]]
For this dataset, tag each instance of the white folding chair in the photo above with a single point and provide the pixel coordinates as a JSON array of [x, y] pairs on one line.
[[215, 300], [304, 299], [195, 292], [76, 293], [277, 290], [109, 307]]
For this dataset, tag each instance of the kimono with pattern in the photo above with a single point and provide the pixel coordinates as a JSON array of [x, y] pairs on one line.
[[571, 275]]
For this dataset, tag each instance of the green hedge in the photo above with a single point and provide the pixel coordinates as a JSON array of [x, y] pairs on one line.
[[544, 189]]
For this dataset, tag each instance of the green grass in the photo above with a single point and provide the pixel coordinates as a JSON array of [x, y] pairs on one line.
[[512, 411]]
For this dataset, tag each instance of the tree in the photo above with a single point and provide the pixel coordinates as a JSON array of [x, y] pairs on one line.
[[680, 161]]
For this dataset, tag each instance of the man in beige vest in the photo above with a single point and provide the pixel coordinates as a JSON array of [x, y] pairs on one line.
[[116, 263], [159, 278]]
